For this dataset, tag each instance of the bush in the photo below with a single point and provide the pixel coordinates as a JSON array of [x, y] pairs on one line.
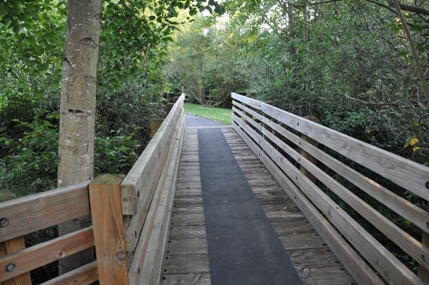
[[30, 163]]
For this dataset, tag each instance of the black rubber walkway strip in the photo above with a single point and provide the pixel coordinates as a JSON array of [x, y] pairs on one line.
[[243, 246]]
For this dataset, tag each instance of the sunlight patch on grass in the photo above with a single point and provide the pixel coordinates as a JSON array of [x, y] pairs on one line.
[[217, 114]]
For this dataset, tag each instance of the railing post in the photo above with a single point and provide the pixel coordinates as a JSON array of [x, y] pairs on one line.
[[155, 124], [423, 273], [307, 155], [267, 127], [13, 245], [168, 107], [109, 236]]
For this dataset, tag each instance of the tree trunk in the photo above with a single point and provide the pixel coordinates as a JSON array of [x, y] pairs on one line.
[[77, 112], [307, 82], [292, 48]]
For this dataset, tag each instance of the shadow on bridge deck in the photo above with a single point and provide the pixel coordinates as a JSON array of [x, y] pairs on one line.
[[187, 260]]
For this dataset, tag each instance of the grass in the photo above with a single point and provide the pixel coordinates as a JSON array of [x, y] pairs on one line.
[[217, 114]]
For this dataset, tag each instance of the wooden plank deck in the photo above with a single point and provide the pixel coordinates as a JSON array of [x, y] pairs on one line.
[[187, 256]]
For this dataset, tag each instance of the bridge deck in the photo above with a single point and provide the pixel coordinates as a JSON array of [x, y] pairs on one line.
[[187, 259]]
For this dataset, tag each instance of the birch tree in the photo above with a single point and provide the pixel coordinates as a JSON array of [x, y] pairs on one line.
[[77, 112]]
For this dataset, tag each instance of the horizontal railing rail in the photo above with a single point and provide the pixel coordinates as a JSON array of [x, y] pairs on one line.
[[28, 214], [323, 184], [130, 219], [147, 197]]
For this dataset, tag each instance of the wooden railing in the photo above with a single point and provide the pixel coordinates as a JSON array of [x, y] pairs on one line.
[[147, 194], [323, 186], [130, 219]]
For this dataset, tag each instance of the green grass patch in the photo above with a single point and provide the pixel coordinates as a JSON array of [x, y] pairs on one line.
[[217, 114]]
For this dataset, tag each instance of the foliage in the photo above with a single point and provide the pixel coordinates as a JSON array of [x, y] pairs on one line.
[[347, 63], [217, 114], [133, 37], [115, 154], [130, 108], [30, 161], [134, 32], [202, 60]]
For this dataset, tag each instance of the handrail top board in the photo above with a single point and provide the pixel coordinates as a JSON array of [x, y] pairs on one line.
[[408, 174], [141, 170], [47, 209]]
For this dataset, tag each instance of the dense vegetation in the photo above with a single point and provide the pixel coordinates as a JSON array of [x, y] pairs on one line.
[[130, 89], [347, 62]]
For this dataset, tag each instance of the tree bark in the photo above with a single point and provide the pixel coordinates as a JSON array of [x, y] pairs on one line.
[[77, 112], [291, 21]]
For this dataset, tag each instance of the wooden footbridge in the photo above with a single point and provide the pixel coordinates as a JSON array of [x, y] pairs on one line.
[[321, 191]]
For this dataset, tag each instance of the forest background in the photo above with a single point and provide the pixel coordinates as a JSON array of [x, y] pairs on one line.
[[350, 63]]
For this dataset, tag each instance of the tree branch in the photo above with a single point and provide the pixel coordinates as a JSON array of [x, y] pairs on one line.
[[413, 48], [414, 9], [315, 4], [382, 5]]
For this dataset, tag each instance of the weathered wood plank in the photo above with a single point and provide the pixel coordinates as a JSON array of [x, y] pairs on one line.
[[409, 211], [302, 241], [313, 258], [372, 249], [297, 233], [144, 245], [182, 219], [180, 279], [48, 209], [188, 192], [191, 209], [189, 200], [173, 175], [9, 247], [325, 276], [13, 245], [390, 166], [84, 275], [140, 178], [109, 238], [413, 247], [187, 263], [187, 236], [187, 246], [147, 266], [293, 227], [141, 224], [188, 231], [360, 271], [397, 235], [38, 255], [132, 233]]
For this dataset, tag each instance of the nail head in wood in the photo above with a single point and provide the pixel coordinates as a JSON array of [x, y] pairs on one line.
[[4, 222], [121, 256], [10, 267]]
